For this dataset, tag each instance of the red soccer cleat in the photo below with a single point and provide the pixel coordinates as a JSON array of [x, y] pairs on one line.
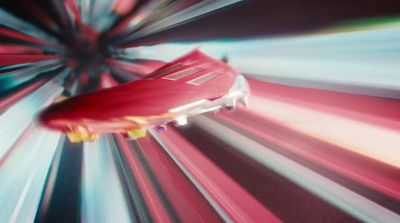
[[191, 85]]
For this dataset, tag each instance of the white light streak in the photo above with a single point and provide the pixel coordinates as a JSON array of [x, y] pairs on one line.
[[16, 119], [366, 139], [363, 59], [343, 198], [23, 174], [103, 199]]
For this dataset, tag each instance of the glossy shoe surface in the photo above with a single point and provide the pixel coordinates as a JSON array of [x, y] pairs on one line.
[[191, 85]]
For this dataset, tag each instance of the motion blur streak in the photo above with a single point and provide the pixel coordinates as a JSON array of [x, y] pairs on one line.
[[13, 79], [382, 112], [13, 22], [372, 174], [153, 202], [183, 200], [318, 142], [23, 174], [356, 136], [361, 61], [15, 119], [182, 16], [201, 189], [103, 199], [223, 191], [338, 195], [12, 99]]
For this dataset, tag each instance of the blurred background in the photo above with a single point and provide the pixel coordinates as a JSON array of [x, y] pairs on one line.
[[319, 141]]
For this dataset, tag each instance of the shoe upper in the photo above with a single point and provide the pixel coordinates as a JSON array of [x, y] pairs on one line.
[[190, 78]]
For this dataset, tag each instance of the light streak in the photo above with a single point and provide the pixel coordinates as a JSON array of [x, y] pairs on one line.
[[51, 178], [166, 177], [227, 197], [200, 187], [334, 193], [15, 119], [103, 199], [23, 174], [369, 140], [147, 189], [5, 103], [12, 79], [362, 61], [13, 22], [181, 196], [182, 16], [319, 154]]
